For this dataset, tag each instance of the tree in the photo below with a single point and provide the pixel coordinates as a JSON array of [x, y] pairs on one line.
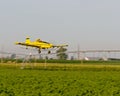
[[13, 56], [61, 53]]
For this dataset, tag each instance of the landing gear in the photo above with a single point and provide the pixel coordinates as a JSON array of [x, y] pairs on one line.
[[39, 51], [49, 52]]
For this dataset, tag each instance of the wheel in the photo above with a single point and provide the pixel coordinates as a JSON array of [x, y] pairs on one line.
[[49, 52], [39, 51]]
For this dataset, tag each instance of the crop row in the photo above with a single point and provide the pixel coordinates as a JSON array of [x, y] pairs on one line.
[[59, 61], [16, 82], [59, 66]]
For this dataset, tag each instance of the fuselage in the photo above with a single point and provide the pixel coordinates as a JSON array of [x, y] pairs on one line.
[[40, 44]]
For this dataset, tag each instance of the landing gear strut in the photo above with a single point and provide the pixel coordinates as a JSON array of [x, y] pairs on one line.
[[49, 52], [39, 51]]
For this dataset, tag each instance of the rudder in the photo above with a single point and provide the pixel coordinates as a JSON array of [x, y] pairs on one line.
[[27, 40]]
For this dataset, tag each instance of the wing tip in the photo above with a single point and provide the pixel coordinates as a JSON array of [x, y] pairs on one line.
[[16, 43]]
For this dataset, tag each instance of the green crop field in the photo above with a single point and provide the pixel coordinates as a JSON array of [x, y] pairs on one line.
[[60, 80]]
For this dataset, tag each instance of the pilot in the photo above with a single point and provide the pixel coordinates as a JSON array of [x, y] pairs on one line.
[[38, 40]]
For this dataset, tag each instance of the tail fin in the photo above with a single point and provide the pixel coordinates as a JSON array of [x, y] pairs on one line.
[[27, 40]]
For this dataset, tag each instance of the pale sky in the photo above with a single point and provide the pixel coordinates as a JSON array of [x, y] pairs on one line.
[[91, 24]]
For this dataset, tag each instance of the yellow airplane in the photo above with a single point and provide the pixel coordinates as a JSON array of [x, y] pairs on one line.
[[39, 44]]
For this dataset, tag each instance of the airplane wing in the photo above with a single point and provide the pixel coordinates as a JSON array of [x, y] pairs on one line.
[[19, 43], [60, 46], [25, 44]]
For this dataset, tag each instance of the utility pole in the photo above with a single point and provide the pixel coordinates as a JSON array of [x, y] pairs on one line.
[[78, 53], [2, 49], [79, 58]]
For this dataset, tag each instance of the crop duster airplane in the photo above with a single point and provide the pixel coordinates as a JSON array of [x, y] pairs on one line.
[[39, 44]]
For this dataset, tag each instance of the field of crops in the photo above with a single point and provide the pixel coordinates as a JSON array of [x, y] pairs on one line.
[[85, 81]]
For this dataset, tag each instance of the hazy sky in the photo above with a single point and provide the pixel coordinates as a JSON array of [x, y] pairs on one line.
[[91, 24]]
